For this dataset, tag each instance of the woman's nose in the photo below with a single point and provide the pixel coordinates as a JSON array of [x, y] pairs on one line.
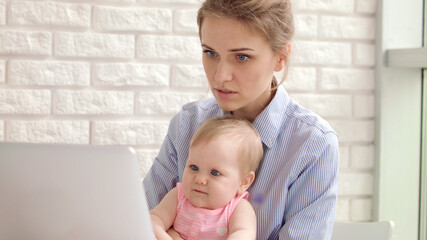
[[223, 72]]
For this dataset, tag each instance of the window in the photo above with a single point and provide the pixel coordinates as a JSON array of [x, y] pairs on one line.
[[401, 122]]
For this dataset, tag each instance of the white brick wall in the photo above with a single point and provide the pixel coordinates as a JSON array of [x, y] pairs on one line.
[[1, 131], [116, 71], [2, 71], [48, 131], [48, 73]]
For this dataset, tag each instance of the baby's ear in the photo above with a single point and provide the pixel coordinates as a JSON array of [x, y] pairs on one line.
[[246, 182]]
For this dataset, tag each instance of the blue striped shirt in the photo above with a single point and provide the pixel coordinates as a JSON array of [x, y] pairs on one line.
[[295, 191]]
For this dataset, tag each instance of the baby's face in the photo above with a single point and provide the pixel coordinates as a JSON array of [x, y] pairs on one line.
[[212, 175]]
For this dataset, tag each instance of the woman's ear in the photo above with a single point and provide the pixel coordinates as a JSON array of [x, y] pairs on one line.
[[282, 58], [246, 182]]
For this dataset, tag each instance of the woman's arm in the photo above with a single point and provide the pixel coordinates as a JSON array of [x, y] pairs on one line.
[[164, 214], [312, 197], [242, 222], [163, 174]]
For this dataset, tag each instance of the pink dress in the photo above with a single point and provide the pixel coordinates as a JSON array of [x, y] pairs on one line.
[[199, 223]]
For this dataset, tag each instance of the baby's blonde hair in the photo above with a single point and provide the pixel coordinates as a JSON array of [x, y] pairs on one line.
[[240, 132]]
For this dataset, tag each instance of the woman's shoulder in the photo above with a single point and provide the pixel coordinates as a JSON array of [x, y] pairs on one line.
[[201, 105], [307, 118], [200, 110], [192, 115]]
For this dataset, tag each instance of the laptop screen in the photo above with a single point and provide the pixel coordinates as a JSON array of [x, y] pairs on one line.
[[52, 191]]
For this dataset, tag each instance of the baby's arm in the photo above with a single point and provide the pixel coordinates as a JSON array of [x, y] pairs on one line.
[[163, 215], [174, 234], [242, 222]]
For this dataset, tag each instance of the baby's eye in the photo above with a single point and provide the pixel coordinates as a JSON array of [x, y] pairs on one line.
[[215, 173], [242, 58], [194, 167], [210, 53]]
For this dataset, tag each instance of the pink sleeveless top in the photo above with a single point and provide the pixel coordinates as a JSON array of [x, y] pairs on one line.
[[199, 223]]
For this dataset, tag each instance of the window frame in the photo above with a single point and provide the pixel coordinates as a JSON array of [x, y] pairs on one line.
[[398, 97], [423, 171]]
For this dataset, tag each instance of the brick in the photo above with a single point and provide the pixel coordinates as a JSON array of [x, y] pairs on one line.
[[365, 55], [189, 76], [185, 21], [347, 79], [164, 102], [169, 47], [50, 73], [2, 71], [353, 184], [366, 6], [343, 210], [94, 45], [364, 106], [362, 157], [322, 53], [93, 102], [2, 12], [129, 132], [326, 105], [333, 27], [353, 130], [344, 157], [28, 43], [306, 26], [333, 6], [361, 210], [145, 159], [73, 132], [47, 13], [133, 19], [131, 74], [16, 101], [1, 130], [300, 79]]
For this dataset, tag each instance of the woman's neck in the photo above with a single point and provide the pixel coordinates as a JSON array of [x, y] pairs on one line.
[[252, 113]]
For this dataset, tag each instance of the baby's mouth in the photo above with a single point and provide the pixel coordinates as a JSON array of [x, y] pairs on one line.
[[199, 191]]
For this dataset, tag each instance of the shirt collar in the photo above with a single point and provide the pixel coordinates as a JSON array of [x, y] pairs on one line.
[[269, 121]]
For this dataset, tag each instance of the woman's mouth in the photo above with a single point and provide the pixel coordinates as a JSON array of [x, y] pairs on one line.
[[224, 93]]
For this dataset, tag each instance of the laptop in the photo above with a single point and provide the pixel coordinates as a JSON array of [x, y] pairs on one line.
[[57, 191]]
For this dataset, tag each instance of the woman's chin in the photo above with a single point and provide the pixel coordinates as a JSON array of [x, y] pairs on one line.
[[226, 105]]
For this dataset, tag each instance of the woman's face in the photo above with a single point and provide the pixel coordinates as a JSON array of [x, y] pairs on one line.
[[239, 65]]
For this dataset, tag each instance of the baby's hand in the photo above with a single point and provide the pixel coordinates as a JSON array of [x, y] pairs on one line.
[[160, 234], [174, 234], [163, 237]]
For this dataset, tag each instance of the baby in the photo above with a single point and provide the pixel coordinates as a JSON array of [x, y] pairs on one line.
[[211, 202]]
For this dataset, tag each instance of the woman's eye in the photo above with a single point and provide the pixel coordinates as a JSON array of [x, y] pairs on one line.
[[194, 168], [242, 58], [215, 173], [210, 53]]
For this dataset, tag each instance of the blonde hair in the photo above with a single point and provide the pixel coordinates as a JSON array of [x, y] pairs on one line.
[[272, 18], [240, 132]]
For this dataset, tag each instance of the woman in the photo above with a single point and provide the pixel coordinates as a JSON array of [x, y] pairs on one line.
[[244, 42]]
